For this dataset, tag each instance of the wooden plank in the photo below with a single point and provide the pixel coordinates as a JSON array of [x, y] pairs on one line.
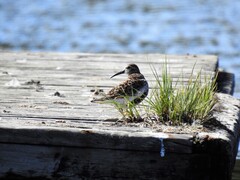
[[89, 134], [75, 75], [87, 163]]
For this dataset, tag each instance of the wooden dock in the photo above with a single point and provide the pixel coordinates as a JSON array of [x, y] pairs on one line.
[[49, 129]]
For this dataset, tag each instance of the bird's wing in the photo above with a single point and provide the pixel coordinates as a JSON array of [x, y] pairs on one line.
[[127, 88]]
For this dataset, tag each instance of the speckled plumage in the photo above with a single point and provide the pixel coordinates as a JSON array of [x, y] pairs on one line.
[[135, 88]]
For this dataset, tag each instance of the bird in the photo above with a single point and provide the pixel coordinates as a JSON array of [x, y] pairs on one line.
[[133, 90]]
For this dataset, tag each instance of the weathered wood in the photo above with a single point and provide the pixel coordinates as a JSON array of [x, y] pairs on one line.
[[66, 136], [88, 163], [75, 75], [225, 82], [222, 142]]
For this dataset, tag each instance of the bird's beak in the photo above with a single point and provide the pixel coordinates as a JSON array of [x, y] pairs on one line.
[[121, 72]]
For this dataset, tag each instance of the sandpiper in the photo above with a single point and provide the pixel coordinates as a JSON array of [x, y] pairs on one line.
[[135, 88]]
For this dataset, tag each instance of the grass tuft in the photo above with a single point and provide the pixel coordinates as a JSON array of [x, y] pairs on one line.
[[181, 102]]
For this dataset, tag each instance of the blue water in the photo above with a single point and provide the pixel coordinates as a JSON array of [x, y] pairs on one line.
[[126, 26]]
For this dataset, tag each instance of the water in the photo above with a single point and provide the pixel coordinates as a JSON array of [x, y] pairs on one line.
[[127, 26]]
